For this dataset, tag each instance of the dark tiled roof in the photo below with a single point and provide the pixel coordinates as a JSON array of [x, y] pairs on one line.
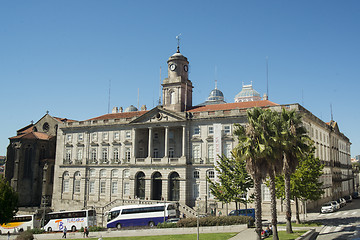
[[32, 135]]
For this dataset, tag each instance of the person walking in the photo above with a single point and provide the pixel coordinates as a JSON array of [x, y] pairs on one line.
[[8, 235], [64, 232]]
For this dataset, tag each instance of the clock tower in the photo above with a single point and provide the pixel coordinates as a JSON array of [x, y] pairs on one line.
[[177, 88]]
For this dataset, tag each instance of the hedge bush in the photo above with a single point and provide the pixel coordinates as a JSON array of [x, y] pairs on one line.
[[27, 235], [215, 221], [36, 231], [166, 225]]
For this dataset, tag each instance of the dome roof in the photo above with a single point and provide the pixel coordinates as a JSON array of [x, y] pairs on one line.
[[216, 95], [131, 108], [247, 91]]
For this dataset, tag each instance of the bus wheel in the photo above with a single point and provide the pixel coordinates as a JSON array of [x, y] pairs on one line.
[[118, 226], [151, 224], [73, 228], [49, 229]]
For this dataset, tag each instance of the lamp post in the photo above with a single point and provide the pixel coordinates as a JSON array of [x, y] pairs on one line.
[[164, 210], [197, 220]]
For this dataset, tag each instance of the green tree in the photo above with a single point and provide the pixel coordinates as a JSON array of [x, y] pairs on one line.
[[233, 180], [304, 181], [8, 201], [294, 142], [254, 147]]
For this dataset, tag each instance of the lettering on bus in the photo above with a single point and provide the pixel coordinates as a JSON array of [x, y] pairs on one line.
[[75, 220]]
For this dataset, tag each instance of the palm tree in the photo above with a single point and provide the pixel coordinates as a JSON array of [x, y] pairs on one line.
[[274, 162], [254, 147], [294, 142]]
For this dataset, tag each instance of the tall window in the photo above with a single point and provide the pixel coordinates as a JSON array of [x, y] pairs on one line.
[[68, 138], [171, 152], [68, 154], [211, 152], [227, 130], [114, 173], [196, 174], [77, 178], [126, 173], [80, 137], [93, 154], [211, 130], [126, 188], [156, 153], [127, 154], [65, 185], [94, 137], [196, 151], [105, 154], [197, 131], [116, 136], [128, 134], [79, 154], [105, 136], [92, 186], [102, 187], [114, 187], [211, 175], [116, 153]]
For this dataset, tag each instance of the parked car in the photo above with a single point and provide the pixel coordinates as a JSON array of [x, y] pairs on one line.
[[343, 202], [335, 204], [348, 198], [173, 220], [355, 195], [243, 212], [327, 207]]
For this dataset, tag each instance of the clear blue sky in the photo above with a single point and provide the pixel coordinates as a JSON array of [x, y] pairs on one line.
[[60, 55]]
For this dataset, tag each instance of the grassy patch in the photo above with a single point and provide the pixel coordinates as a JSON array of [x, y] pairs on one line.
[[289, 236], [203, 236], [305, 224]]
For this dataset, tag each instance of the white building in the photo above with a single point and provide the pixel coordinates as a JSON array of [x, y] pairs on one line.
[[167, 152]]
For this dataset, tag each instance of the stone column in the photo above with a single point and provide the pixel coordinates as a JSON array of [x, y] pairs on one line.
[[183, 141], [150, 143], [134, 145], [14, 180], [166, 142], [147, 188]]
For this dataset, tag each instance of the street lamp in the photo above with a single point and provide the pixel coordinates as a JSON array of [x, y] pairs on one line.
[[197, 220]]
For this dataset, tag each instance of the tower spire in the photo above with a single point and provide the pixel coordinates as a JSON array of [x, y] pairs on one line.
[[178, 45]]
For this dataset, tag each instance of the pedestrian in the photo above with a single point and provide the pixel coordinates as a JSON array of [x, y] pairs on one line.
[[87, 232], [64, 231], [8, 234], [219, 213]]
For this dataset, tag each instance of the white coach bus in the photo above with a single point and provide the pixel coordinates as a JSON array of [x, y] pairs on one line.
[[73, 220], [20, 223], [140, 215]]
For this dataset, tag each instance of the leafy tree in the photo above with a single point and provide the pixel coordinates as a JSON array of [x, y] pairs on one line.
[[304, 181], [254, 147], [294, 142], [8, 201], [233, 180]]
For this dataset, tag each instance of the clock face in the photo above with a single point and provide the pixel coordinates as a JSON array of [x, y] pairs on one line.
[[186, 68], [172, 67]]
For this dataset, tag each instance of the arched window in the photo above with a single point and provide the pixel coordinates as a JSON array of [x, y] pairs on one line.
[[65, 182], [140, 185], [174, 187], [156, 184], [77, 179]]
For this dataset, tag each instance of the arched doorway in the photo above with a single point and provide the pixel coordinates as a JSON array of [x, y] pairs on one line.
[[174, 187], [156, 186], [140, 185]]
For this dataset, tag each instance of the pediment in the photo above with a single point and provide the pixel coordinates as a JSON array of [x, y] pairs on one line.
[[159, 114]]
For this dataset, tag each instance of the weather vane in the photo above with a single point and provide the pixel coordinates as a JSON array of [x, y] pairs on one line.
[[178, 40]]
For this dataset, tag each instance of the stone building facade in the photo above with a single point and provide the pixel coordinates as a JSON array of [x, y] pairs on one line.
[[162, 154], [167, 152], [30, 161]]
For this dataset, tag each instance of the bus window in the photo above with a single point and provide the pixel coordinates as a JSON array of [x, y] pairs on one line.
[[113, 215]]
